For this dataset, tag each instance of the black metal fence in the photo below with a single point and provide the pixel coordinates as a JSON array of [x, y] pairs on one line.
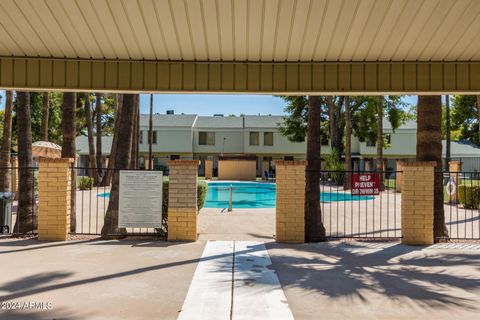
[[18, 200], [349, 212], [92, 199], [461, 208]]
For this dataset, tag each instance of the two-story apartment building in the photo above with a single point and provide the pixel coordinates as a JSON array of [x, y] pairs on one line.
[[209, 137]]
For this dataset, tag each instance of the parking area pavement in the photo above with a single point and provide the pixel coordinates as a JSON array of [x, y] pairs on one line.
[[96, 279]]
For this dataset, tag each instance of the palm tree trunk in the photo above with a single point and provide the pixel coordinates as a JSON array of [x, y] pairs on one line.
[[91, 145], [447, 125], [45, 115], [6, 144], [26, 200], [331, 121], [150, 134], [134, 147], [69, 131], [98, 129], [122, 161], [348, 144], [314, 229], [107, 179], [478, 117], [429, 148], [379, 164], [137, 134]]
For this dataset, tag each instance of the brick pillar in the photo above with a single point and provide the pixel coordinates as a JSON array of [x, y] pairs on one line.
[[417, 202], [208, 169], [399, 176], [454, 168], [182, 200], [54, 195], [290, 207]]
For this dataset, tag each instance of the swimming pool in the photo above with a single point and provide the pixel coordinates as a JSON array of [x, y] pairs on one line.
[[251, 195], [259, 195]]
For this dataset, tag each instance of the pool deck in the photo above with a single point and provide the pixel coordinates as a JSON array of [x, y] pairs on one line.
[[240, 224]]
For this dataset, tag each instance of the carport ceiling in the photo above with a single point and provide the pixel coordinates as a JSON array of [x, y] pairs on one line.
[[243, 30]]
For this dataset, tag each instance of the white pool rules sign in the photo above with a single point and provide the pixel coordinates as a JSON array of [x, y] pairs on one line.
[[140, 199]]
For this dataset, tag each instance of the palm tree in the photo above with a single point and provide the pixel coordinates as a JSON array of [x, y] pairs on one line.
[[314, 229], [25, 213], [429, 148], [150, 134], [478, 117], [348, 143], [91, 145], [121, 161], [447, 125], [135, 133], [98, 128], [69, 131], [45, 114], [6, 144], [379, 166], [108, 175]]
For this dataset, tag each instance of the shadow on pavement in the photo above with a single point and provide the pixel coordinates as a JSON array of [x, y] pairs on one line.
[[355, 270]]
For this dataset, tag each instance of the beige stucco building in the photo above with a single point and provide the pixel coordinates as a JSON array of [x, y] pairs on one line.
[[209, 137]]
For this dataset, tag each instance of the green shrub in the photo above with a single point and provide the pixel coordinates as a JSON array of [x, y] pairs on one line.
[[201, 194], [469, 196], [336, 167], [85, 183]]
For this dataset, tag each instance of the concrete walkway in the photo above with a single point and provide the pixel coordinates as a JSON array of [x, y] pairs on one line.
[[372, 280], [96, 279], [234, 280], [240, 224]]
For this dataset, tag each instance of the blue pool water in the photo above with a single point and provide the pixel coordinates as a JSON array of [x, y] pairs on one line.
[[256, 195], [259, 195]]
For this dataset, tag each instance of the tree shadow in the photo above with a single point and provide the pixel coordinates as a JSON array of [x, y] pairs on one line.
[[354, 270]]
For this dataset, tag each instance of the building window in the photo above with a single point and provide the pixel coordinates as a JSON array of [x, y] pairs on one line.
[[268, 138], [206, 138], [371, 143], [324, 141], [154, 134], [254, 138], [141, 137], [288, 158], [174, 157]]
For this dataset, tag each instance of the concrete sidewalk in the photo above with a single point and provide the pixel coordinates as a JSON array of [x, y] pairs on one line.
[[240, 224], [234, 280], [150, 280], [361, 280], [97, 279]]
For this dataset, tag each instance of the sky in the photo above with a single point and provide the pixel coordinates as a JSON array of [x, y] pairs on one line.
[[209, 104]]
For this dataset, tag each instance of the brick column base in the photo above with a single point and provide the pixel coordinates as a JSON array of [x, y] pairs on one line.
[[290, 206], [417, 202], [54, 195], [182, 200]]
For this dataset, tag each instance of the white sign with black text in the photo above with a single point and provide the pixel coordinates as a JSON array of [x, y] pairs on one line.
[[140, 199]]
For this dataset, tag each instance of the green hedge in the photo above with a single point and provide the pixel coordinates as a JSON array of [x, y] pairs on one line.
[[85, 183], [469, 196], [201, 195]]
